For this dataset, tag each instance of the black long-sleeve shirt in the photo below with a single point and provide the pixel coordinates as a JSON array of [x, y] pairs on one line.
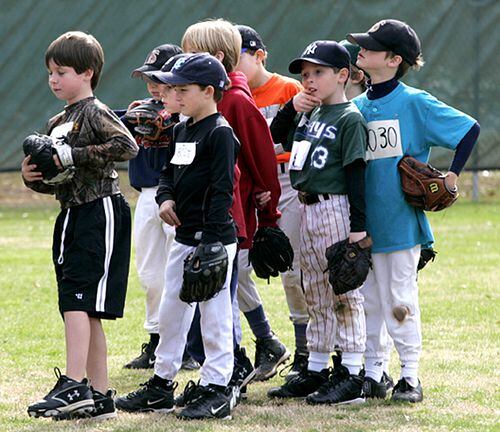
[[203, 189]]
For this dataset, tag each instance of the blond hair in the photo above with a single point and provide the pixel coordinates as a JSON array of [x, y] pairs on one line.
[[214, 36], [78, 50]]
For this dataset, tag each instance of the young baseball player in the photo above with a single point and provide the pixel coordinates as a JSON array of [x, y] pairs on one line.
[[91, 245], [152, 236], [270, 92], [327, 168], [195, 196], [401, 121], [258, 173]]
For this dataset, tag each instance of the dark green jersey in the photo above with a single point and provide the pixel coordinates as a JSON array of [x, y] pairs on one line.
[[335, 136]]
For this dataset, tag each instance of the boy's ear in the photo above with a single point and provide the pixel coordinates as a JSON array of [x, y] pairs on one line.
[[360, 76], [219, 55], [209, 91], [394, 61], [88, 74], [344, 75], [260, 55]]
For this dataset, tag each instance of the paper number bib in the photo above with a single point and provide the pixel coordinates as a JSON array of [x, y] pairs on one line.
[[384, 139], [300, 150], [184, 153]]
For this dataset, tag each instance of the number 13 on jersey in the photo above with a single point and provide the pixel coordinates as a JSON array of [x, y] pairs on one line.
[[384, 139]]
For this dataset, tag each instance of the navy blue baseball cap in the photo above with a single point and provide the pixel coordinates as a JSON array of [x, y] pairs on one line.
[[390, 35], [201, 68], [167, 67], [156, 59], [250, 39], [324, 53]]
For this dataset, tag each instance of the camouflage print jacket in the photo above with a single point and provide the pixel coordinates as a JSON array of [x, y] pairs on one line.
[[98, 139]]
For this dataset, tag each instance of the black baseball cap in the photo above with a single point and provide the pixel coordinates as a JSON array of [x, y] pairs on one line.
[[167, 67], [157, 58], [322, 52], [201, 68], [250, 39], [390, 35]]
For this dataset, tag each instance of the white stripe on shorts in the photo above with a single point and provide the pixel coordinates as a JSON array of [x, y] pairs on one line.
[[109, 234], [60, 260]]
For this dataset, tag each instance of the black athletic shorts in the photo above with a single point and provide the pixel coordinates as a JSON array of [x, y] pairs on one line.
[[91, 253]]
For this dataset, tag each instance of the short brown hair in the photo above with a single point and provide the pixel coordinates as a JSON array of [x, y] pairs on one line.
[[213, 36], [404, 67], [218, 93], [78, 50]]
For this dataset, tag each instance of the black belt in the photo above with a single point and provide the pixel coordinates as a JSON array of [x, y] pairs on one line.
[[309, 199]]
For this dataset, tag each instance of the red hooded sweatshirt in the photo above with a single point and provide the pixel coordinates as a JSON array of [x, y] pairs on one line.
[[256, 158]]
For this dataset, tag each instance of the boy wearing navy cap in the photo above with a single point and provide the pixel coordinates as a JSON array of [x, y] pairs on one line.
[[195, 196], [152, 236], [327, 168], [401, 121]]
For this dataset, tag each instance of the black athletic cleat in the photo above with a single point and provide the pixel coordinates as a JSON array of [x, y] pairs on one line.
[[388, 381], [189, 393], [404, 392], [341, 387], [188, 362], [149, 397], [269, 354], [300, 359], [301, 385], [206, 402], [373, 389], [243, 374], [104, 408], [145, 360], [68, 396]]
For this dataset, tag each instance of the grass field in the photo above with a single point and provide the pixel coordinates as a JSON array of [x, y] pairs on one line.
[[459, 370]]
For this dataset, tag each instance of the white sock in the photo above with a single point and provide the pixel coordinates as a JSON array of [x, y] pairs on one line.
[[374, 368], [318, 361], [409, 371], [352, 361]]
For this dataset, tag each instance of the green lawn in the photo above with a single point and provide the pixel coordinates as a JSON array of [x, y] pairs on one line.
[[459, 297]]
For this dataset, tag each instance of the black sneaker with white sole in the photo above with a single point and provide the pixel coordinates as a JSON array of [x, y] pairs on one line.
[[404, 392], [269, 354], [373, 389], [149, 397], [243, 374], [300, 359], [388, 381], [104, 408], [68, 396], [301, 385], [207, 402], [145, 360], [341, 387]]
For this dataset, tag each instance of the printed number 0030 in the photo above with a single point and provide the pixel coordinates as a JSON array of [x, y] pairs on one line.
[[382, 137]]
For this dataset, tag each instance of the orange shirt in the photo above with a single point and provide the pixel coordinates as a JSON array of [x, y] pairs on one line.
[[271, 96]]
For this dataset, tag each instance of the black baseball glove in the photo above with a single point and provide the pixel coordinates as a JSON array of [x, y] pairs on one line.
[[426, 255], [147, 119], [348, 264], [42, 148], [205, 272], [271, 252]]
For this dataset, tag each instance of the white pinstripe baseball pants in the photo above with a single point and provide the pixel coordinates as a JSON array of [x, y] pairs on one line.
[[333, 320]]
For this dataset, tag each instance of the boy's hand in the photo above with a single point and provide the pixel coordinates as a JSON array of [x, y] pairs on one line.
[[262, 198], [29, 172], [167, 213], [305, 102], [451, 180], [57, 162]]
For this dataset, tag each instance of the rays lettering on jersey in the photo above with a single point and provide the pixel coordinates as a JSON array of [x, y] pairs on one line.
[[320, 130]]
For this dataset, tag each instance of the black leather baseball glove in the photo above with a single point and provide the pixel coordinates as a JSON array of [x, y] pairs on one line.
[[348, 264], [205, 272], [426, 255], [42, 148], [147, 119], [271, 252]]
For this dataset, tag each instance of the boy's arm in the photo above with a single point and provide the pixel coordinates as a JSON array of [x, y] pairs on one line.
[[118, 145], [283, 123], [257, 152], [355, 182], [462, 153], [223, 149]]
